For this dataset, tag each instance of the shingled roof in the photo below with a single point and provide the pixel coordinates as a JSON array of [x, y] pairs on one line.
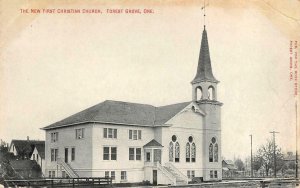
[[41, 149], [25, 146], [117, 112], [204, 70], [153, 143]]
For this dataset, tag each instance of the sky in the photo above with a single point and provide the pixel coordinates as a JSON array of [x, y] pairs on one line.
[[54, 65]]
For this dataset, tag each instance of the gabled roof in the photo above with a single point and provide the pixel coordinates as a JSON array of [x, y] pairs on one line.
[[117, 112], [23, 164], [41, 149], [25, 146], [204, 70], [153, 143]]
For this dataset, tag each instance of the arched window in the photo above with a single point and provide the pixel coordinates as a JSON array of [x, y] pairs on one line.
[[174, 152], [188, 152], [193, 152], [171, 152], [177, 152], [211, 93], [210, 152], [213, 150], [199, 93], [216, 153]]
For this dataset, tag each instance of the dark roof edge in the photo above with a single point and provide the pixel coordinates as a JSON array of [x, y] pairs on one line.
[[84, 122]]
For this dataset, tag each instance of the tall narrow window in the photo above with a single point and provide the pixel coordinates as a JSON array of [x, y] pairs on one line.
[[123, 175], [131, 154], [105, 153], [130, 134], [193, 152], [113, 175], [210, 152], [216, 153], [171, 152], [73, 154], [188, 152], [213, 150], [216, 174], [54, 154], [138, 154], [177, 152], [113, 153], [79, 133]]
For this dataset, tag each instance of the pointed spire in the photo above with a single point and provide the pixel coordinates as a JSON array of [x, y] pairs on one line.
[[204, 70]]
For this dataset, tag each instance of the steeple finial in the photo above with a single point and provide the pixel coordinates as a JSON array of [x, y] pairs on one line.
[[204, 13]]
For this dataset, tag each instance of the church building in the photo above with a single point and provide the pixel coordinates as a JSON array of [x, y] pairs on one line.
[[132, 142]]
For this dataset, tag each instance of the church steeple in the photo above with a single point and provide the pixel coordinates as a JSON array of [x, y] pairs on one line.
[[204, 84], [204, 70]]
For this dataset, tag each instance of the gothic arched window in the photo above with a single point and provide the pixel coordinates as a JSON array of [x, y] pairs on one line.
[[193, 152], [188, 152], [171, 152], [216, 153], [210, 152], [177, 152], [213, 150]]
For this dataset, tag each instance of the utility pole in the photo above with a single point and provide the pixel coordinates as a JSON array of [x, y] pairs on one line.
[[274, 151], [251, 158]]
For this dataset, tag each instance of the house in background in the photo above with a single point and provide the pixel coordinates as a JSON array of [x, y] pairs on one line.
[[228, 168], [23, 149], [38, 155], [132, 142], [26, 168]]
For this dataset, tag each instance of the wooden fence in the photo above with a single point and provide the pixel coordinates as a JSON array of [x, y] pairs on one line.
[[61, 182]]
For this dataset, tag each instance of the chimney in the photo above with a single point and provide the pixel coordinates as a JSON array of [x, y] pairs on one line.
[[27, 138]]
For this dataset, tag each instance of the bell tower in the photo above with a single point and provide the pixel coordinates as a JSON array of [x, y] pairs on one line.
[[204, 84], [204, 94]]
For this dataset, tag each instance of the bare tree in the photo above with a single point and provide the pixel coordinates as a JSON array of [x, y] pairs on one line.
[[265, 158]]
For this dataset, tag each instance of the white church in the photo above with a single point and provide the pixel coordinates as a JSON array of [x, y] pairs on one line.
[[132, 142]]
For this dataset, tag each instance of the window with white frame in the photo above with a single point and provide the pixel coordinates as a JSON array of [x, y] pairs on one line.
[[107, 174], [174, 149], [110, 174], [190, 174], [51, 174], [79, 133], [135, 154], [211, 174], [110, 133], [213, 150], [123, 175], [135, 134], [216, 174], [54, 154], [109, 153], [54, 137], [113, 175], [190, 150]]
